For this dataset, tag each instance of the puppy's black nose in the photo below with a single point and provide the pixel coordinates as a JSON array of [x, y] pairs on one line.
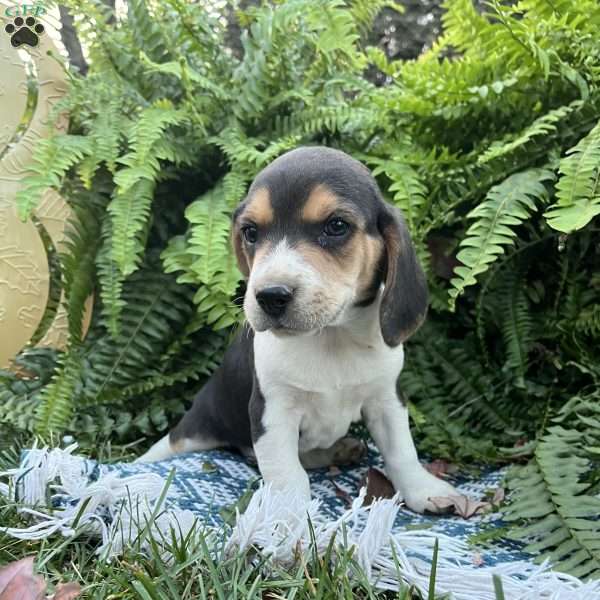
[[274, 299]]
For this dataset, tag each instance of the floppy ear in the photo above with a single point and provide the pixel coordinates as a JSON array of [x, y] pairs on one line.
[[236, 241], [404, 302]]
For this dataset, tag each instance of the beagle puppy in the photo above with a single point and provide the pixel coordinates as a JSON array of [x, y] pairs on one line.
[[334, 288]]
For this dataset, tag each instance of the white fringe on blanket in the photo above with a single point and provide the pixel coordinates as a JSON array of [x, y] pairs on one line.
[[128, 510], [120, 510]]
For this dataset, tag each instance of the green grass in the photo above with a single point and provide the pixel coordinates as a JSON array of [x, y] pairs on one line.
[[194, 572]]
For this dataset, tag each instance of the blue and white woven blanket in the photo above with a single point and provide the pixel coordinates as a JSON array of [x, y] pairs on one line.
[[191, 493]]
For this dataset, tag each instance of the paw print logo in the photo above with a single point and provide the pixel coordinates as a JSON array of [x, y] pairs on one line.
[[24, 31]]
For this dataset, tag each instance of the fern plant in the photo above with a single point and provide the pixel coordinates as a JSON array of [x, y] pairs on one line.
[[577, 192], [555, 498], [507, 204]]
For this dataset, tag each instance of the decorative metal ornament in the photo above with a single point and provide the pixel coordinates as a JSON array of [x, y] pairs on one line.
[[29, 60]]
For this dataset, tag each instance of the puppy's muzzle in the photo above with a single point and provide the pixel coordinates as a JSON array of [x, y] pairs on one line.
[[274, 299]]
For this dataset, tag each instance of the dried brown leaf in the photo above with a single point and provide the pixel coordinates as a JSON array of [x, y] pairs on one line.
[[441, 468], [442, 503], [463, 506], [378, 486], [13, 569], [498, 497], [343, 494], [67, 591], [18, 581]]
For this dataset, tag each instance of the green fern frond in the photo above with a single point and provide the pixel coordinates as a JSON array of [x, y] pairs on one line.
[[516, 323], [52, 157], [577, 190], [335, 28], [176, 258], [240, 149], [331, 119], [81, 247], [235, 186], [130, 211], [471, 386], [248, 155], [149, 129], [190, 373], [218, 309], [146, 32], [588, 321], [130, 207], [364, 11], [111, 282], [254, 75], [378, 58], [214, 302], [563, 8], [57, 400], [407, 188], [551, 499], [505, 206], [209, 240], [276, 148], [326, 38], [188, 76], [19, 393], [157, 309], [106, 133], [452, 416], [205, 256], [463, 25], [542, 126]]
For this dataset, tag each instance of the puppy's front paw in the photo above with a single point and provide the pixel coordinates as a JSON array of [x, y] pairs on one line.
[[423, 487], [297, 489]]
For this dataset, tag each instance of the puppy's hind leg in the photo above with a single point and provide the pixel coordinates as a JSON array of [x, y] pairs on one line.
[[166, 448], [192, 433], [159, 451]]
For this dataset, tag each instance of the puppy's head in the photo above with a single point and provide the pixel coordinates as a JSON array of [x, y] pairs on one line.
[[315, 239]]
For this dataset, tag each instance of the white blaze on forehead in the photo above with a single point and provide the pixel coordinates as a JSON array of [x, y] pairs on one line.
[[282, 265]]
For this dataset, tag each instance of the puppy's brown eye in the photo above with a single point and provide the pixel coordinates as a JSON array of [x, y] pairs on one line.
[[336, 227], [250, 233]]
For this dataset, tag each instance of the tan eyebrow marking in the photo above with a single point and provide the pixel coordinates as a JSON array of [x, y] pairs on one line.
[[259, 207], [320, 204]]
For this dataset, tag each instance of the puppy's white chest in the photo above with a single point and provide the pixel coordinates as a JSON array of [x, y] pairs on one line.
[[324, 363], [326, 418], [323, 381]]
